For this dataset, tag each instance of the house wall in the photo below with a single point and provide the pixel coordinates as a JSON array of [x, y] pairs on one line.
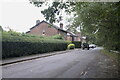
[[69, 38], [75, 38], [44, 27], [79, 36], [78, 39], [64, 34], [51, 31]]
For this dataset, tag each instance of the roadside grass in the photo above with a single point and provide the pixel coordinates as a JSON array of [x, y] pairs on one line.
[[112, 55]]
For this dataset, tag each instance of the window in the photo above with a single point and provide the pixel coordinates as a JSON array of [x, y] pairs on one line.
[[43, 33]]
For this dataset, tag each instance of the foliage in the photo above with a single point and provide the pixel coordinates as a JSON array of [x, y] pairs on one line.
[[71, 46], [54, 10], [69, 42], [77, 44], [1, 29], [21, 45], [111, 54], [98, 21], [58, 36]]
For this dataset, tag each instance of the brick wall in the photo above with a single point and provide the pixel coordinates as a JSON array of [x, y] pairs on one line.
[[44, 27], [64, 34], [69, 38]]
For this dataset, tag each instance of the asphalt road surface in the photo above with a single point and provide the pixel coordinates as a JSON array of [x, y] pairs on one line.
[[75, 64]]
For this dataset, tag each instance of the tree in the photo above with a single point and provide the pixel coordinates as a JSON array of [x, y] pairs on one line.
[[1, 29], [54, 10], [101, 20], [98, 21]]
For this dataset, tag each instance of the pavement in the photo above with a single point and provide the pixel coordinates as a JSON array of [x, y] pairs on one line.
[[72, 64], [31, 57]]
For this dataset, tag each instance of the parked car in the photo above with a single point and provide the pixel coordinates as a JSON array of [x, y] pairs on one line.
[[85, 45], [92, 46]]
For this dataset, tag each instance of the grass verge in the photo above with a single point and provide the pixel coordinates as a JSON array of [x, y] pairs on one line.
[[112, 55]]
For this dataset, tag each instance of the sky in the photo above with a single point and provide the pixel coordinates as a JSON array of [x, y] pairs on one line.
[[19, 15]]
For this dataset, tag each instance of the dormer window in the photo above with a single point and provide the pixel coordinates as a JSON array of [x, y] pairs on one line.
[[43, 33]]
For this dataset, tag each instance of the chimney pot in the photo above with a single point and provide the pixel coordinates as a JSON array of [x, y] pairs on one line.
[[61, 25], [37, 21]]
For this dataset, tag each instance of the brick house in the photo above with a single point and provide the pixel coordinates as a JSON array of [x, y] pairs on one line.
[[47, 29], [73, 37]]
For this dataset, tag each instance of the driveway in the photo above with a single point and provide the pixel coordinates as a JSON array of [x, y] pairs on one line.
[[75, 64]]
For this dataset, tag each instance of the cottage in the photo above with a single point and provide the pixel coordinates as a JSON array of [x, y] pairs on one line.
[[73, 37], [48, 29]]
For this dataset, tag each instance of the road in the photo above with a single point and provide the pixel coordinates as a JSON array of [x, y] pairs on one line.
[[75, 64]]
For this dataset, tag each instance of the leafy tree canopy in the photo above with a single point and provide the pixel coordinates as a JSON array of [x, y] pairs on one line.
[[98, 21]]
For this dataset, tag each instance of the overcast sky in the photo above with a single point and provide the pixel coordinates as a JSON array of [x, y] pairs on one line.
[[19, 15]]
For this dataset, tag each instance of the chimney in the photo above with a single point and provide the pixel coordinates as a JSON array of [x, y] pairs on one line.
[[61, 25], [37, 21]]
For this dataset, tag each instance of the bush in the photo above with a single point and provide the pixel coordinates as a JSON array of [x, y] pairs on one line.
[[71, 46], [1, 29], [69, 42], [19, 45], [77, 44], [58, 36]]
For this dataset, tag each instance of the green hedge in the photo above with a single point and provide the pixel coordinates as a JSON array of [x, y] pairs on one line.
[[15, 46], [58, 36], [77, 44]]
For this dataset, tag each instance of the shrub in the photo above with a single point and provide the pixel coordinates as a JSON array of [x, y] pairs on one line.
[[15, 46], [58, 36], [69, 42], [1, 29], [71, 46], [77, 44]]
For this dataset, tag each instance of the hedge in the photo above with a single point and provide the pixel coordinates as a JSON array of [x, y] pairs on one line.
[[15, 46], [58, 36], [77, 44]]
